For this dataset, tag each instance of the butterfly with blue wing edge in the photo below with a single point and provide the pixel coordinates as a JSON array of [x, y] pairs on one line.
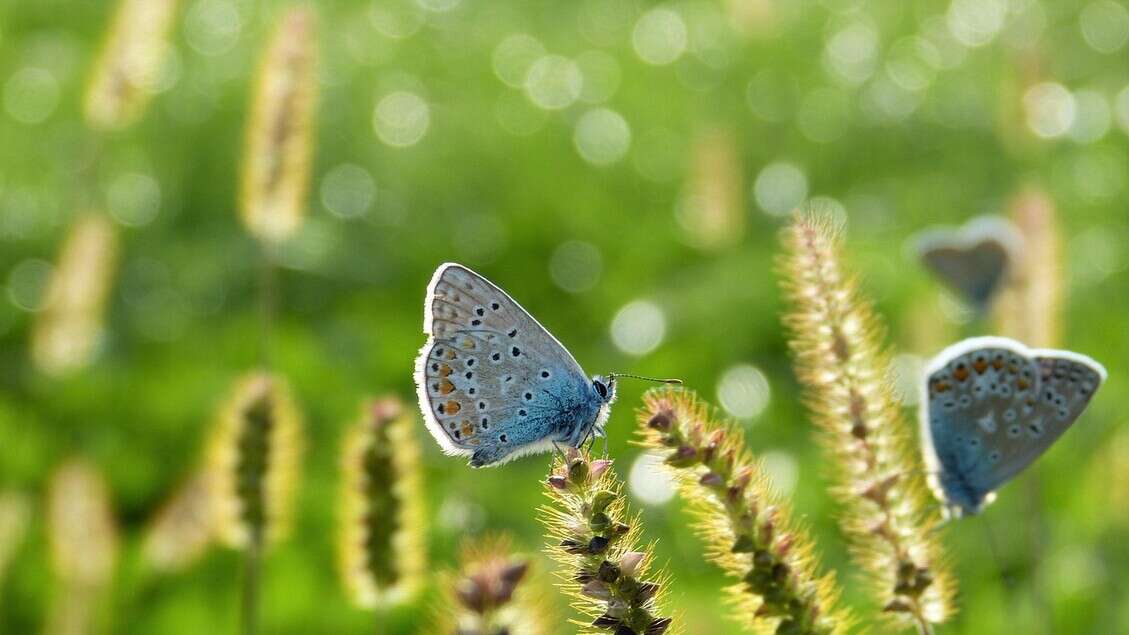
[[493, 384], [990, 406]]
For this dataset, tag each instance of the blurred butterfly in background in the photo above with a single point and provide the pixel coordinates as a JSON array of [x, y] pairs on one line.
[[493, 384], [990, 407], [973, 260]]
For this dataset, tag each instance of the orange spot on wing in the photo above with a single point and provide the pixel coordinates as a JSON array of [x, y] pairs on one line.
[[468, 429], [445, 387], [961, 374], [980, 367], [444, 370], [452, 407]]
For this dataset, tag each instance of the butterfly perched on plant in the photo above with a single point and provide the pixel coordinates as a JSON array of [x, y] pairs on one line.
[[973, 260], [991, 406], [493, 384]]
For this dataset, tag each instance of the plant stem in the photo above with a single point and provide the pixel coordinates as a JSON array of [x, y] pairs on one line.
[[251, 565], [268, 300]]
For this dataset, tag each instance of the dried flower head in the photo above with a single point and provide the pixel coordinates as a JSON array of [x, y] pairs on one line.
[[67, 330], [253, 462], [877, 477], [182, 529], [746, 527], [15, 514], [712, 210], [81, 529], [383, 526], [127, 71], [279, 144], [494, 592], [1030, 307], [596, 542]]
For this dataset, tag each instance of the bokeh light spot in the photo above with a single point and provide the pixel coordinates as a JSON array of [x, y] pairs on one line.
[[347, 191], [1050, 109], [660, 36], [401, 119], [638, 328], [602, 137], [27, 282], [780, 188], [31, 95], [134, 199], [575, 266], [649, 481], [782, 470], [514, 56], [553, 82], [1105, 26], [743, 391]]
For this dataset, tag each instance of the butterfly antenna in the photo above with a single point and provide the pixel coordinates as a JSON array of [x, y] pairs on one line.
[[1008, 580], [645, 378]]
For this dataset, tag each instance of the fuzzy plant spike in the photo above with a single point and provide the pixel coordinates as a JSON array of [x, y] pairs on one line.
[[494, 593], [1030, 307], [746, 527], [15, 517], [83, 537], [383, 530], [280, 130], [68, 330], [182, 529], [127, 72], [254, 461], [595, 541], [877, 477]]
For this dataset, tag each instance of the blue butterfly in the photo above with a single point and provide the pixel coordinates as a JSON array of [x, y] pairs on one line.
[[974, 260], [493, 383], [990, 407]]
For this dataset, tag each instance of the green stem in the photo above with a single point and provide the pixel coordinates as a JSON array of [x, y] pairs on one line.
[[251, 566], [268, 300]]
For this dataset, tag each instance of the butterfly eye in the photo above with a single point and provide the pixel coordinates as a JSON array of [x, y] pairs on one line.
[[601, 389]]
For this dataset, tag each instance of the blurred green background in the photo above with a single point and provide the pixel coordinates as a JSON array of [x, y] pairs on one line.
[[560, 149]]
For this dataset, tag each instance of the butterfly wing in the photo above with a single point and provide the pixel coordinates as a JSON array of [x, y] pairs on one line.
[[973, 260], [492, 382], [993, 406]]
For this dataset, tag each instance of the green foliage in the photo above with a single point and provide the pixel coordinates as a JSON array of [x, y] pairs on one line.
[[920, 130]]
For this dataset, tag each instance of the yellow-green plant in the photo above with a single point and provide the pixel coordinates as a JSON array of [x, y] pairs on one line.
[[182, 528], [747, 528], [493, 593], [604, 569], [280, 135], [15, 515], [877, 476], [83, 537], [383, 529], [253, 465], [1030, 306], [68, 329], [128, 68]]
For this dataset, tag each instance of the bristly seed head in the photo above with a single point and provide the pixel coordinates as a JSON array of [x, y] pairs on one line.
[[746, 526], [382, 523], [878, 478]]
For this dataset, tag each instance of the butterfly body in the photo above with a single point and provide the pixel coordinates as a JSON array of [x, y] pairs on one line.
[[493, 384], [991, 406]]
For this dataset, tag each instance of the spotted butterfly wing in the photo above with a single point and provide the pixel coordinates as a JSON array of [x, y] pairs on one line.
[[992, 406], [492, 382]]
